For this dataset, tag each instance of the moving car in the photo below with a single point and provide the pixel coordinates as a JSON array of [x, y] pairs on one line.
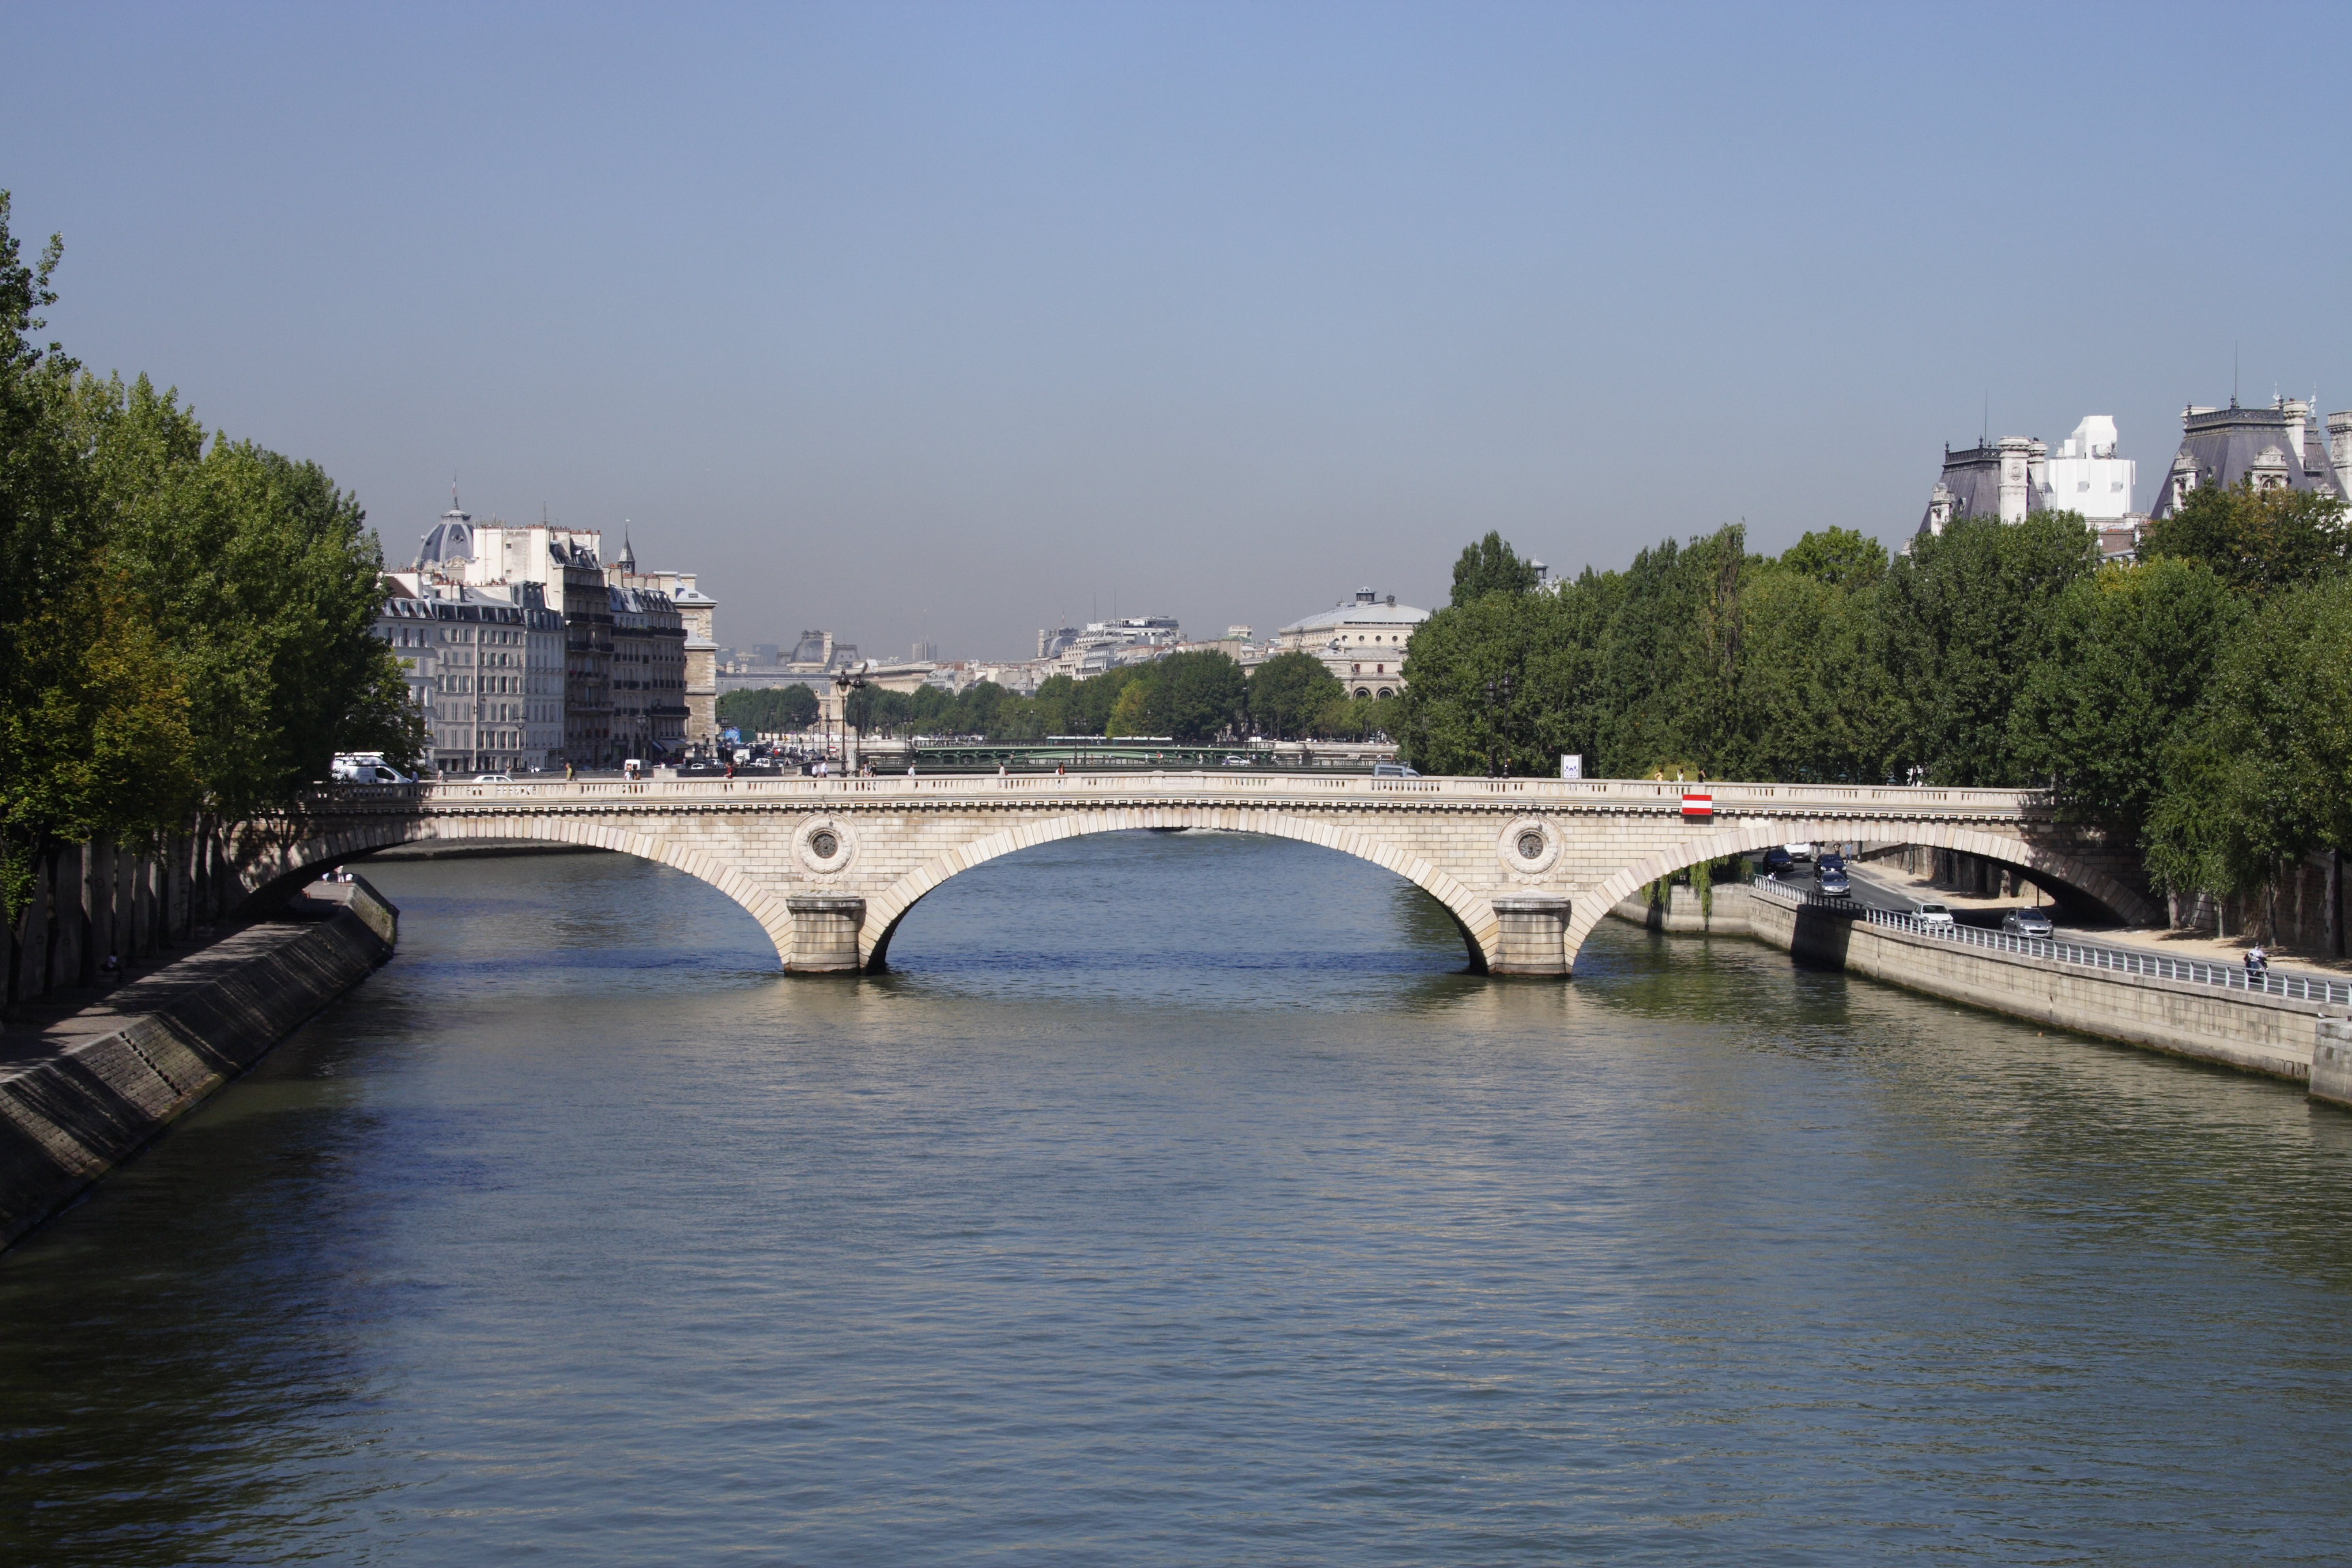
[[1393, 771], [494, 778], [366, 767], [2027, 922], [1776, 859], [1935, 917], [1829, 875], [1798, 851], [1237, 761]]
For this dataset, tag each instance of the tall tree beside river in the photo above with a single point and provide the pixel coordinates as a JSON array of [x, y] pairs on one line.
[[183, 630]]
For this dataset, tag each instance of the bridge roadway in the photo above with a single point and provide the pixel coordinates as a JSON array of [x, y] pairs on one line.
[[1527, 867]]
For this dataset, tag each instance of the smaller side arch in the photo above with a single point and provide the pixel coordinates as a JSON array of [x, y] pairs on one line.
[[277, 868], [1473, 915], [2125, 903]]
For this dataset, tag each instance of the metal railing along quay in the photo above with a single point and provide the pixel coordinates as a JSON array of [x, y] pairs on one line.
[[2291, 987]]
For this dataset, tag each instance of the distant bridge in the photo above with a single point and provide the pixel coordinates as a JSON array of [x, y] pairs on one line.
[[1527, 867]]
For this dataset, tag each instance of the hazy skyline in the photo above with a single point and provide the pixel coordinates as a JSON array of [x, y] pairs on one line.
[[951, 323]]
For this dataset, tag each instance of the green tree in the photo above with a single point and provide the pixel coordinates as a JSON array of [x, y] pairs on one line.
[[1840, 557], [1490, 566], [1813, 687], [1130, 714], [1289, 691], [1964, 617], [2131, 652], [2258, 778], [1198, 695], [1470, 705], [266, 584], [2257, 541], [769, 709]]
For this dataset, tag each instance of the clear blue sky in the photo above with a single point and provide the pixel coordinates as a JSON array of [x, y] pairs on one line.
[[955, 320]]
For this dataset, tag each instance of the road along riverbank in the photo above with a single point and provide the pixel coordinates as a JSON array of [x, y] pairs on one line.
[[2205, 1012], [81, 1092]]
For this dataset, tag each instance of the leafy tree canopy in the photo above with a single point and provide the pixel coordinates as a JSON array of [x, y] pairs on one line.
[[1290, 692], [1490, 566], [2257, 541], [769, 709]]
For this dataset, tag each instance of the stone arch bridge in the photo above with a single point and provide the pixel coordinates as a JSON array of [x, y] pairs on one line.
[[1527, 867]]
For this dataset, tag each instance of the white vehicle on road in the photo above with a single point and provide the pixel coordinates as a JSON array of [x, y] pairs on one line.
[[1935, 917], [1798, 851], [366, 767]]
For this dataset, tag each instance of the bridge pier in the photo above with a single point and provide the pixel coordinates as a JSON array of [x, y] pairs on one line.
[[824, 934], [1531, 934]]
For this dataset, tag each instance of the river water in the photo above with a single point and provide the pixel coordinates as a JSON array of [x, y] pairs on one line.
[[1176, 1202]]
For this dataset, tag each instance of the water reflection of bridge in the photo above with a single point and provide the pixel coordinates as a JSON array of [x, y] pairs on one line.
[[1527, 867]]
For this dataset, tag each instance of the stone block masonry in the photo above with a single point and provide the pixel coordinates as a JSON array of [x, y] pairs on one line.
[[1526, 867], [84, 1091], [2273, 1036]]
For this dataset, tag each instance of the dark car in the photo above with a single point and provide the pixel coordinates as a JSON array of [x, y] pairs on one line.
[[2027, 922], [1829, 875], [1776, 859]]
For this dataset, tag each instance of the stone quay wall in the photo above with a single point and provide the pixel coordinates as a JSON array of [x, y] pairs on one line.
[[2250, 1031], [1686, 914], [87, 1091]]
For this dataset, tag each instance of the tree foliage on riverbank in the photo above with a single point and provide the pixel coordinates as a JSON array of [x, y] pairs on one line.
[[2196, 704], [1196, 696], [185, 621]]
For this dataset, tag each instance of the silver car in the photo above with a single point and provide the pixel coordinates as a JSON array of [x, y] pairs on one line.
[[2027, 922], [1936, 918]]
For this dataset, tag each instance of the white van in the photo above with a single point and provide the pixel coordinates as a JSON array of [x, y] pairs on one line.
[[366, 767]]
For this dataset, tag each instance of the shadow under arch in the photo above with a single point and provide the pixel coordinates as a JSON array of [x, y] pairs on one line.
[[1472, 916], [275, 875], [2125, 904]]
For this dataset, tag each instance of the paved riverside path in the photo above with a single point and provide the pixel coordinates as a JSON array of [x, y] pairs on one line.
[[830, 866], [81, 1089]]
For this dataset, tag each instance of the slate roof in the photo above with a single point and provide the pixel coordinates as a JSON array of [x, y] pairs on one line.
[[1973, 476], [1380, 614], [2223, 445]]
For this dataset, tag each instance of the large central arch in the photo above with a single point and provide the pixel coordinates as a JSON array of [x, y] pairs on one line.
[[1473, 915]]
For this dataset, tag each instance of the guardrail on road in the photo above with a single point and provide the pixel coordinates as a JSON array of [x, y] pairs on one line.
[[2291, 987]]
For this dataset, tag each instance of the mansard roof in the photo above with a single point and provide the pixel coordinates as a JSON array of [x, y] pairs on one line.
[[2222, 445]]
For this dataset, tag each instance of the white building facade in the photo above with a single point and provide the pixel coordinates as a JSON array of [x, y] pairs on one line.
[[485, 671], [1362, 641]]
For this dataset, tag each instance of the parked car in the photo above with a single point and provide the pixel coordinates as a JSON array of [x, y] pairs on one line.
[[1776, 859], [1798, 851], [2027, 922], [1935, 917], [1393, 771]]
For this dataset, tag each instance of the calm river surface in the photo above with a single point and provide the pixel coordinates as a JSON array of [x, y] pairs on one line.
[[1176, 1202]]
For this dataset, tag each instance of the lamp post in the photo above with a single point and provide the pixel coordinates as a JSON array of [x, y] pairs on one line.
[[844, 682]]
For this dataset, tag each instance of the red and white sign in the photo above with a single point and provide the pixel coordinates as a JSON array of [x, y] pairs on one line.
[[1697, 804]]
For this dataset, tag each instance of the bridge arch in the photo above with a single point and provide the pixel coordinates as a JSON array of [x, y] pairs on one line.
[[2125, 903], [1473, 915], [270, 873]]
